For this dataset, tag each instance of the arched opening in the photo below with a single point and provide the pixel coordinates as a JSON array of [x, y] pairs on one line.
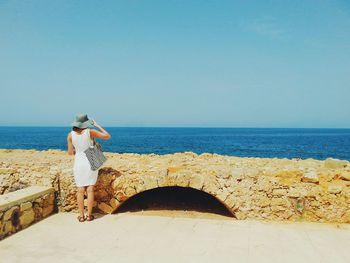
[[175, 201]]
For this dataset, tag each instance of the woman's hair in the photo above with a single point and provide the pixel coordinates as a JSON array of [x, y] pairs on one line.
[[77, 129]]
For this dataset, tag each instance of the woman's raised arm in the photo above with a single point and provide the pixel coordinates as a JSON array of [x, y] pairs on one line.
[[102, 134]]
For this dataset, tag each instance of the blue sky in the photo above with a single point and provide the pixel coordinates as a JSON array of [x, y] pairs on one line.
[[176, 63]]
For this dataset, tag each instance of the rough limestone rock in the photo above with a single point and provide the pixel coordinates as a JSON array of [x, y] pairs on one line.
[[250, 188], [105, 208], [310, 176], [335, 163], [6, 228], [25, 206], [335, 189], [27, 217], [345, 175], [9, 213], [47, 210]]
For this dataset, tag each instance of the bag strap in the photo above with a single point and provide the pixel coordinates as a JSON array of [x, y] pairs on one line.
[[93, 140]]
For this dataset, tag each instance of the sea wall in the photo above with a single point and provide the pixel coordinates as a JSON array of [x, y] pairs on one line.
[[251, 188], [21, 208]]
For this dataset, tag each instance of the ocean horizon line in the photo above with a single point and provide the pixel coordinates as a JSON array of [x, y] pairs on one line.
[[182, 127], [317, 143]]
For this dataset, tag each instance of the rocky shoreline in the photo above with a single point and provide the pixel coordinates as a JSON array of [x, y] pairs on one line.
[[251, 188]]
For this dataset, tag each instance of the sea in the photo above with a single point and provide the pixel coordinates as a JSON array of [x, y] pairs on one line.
[[244, 142]]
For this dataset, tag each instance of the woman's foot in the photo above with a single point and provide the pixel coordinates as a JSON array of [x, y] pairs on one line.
[[81, 218], [90, 218]]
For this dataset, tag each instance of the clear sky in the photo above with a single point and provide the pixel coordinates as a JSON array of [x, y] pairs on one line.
[[176, 63]]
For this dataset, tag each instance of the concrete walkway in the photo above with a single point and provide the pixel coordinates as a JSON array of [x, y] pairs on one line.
[[135, 238]]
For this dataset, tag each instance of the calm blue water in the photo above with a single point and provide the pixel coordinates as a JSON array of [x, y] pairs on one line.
[[289, 143]]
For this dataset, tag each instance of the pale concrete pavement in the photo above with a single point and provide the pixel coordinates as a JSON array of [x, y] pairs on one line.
[[135, 238]]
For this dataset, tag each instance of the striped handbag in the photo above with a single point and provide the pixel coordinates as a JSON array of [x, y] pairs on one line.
[[95, 155]]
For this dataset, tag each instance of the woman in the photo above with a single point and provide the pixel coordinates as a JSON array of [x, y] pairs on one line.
[[79, 139]]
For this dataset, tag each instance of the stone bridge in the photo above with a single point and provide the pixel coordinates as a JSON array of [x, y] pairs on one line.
[[250, 188]]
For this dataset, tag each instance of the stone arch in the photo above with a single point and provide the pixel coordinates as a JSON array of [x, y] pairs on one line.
[[177, 198], [126, 187]]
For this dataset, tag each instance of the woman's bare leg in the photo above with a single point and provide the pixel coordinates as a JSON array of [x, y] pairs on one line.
[[80, 200], [90, 198]]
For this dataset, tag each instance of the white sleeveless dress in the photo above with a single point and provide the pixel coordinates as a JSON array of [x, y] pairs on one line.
[[83, 174]]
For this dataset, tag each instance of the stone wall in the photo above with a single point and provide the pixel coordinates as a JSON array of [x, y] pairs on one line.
[[251, 188], [21, 208]]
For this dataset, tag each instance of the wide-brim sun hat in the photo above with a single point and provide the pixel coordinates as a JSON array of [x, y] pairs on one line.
[[82, 121]]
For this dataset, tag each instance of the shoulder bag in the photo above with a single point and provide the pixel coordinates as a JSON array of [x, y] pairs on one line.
[[95, 155]]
